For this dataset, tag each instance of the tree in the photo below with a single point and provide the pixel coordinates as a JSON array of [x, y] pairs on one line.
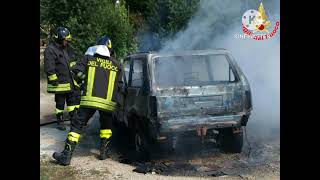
[[162, 19], [88, 20]]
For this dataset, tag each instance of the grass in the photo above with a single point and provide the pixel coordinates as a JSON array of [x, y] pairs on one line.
[[94, 172], [50, 171]]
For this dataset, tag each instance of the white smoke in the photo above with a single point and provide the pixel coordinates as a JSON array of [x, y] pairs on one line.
[[214, 26]]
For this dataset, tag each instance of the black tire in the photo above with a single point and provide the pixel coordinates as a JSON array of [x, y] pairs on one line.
[[142, 146], [230, 142]]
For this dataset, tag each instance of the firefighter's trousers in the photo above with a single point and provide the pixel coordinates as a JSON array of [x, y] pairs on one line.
[[83, 116], [72, 99]]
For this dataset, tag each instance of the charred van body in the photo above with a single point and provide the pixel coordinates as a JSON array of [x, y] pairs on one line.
[[200, 91]]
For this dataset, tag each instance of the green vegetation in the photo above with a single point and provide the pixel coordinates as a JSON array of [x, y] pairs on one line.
[[90, 19]]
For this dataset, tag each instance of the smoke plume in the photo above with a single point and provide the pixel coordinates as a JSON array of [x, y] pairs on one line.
[[216, 25]]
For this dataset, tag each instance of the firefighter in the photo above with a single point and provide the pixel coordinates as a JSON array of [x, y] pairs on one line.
[[101, 75], [60, 81], [104, 40]]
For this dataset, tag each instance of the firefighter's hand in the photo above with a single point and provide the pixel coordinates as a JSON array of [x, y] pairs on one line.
[[79, 77], [75, 77], [76, 84]]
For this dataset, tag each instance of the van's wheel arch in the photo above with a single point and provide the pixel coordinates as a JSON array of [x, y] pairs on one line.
[[231, 140]]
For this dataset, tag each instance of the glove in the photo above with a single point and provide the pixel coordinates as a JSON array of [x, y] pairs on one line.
[[76, 84], [78, 79]]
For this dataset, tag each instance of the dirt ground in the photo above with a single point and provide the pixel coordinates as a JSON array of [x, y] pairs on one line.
[[191, 160]]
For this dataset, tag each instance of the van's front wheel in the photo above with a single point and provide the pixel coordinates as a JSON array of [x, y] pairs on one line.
[[141, 146], [231, 140]]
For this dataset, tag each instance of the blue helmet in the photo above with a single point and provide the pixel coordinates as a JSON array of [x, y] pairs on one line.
[[105, 40], [62, 33]]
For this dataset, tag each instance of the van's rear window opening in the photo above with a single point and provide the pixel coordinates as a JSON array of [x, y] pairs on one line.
[[192, 70]]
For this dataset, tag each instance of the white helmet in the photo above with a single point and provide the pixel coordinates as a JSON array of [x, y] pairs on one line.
[[91, 50], [99, 49]]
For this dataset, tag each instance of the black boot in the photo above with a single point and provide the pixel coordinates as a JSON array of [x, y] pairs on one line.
[[60, 122], [64, 157], [104, 148]]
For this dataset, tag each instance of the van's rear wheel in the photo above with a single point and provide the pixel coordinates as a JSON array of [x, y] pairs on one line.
[[231, 140]]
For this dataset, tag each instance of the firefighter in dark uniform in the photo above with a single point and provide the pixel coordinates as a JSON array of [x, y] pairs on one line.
[[60, 81], [101, 75], [104, 40]]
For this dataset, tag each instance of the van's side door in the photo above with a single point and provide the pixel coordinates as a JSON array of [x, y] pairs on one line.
[[137, 87], [121, 116]]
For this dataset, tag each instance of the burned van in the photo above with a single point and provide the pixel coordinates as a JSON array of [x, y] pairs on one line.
[[200, 92]]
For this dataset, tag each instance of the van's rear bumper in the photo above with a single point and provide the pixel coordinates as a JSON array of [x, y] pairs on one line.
[[190, 123]]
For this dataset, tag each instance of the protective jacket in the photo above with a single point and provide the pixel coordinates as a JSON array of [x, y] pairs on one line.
[[101, 83], [57, 67]]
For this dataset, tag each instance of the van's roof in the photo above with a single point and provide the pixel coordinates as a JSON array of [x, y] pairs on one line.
[[184, 52]]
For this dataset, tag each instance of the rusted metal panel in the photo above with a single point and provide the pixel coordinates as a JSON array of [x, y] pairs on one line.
[[186, 108], [190, 123]]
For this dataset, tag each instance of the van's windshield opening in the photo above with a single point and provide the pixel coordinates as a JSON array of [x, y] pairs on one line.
[[192, 70]]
